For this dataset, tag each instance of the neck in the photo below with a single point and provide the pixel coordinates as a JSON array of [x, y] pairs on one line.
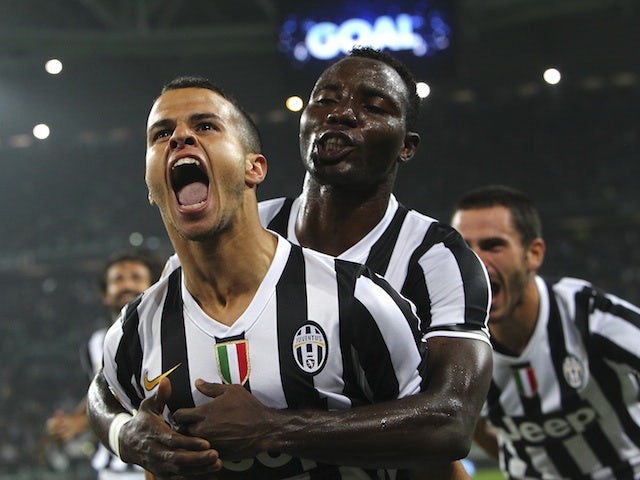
[[332, 219], [515, 329], [224, 273]]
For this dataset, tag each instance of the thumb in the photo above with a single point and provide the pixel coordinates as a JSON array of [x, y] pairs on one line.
[[159, 400]]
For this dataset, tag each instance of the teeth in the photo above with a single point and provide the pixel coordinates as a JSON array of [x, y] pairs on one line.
[[334, 143], [186, 161]]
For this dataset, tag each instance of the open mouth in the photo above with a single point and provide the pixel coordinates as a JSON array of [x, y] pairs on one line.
[[190, 182], [333, 146]]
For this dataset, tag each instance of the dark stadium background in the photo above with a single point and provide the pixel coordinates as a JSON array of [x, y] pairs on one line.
[[70, 200]]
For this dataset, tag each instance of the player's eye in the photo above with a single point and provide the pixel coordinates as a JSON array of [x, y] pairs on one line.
[[159, 134], [374, 108]]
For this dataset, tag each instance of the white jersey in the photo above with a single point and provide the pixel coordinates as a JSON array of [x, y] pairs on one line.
[[568, 406], [319, 333]]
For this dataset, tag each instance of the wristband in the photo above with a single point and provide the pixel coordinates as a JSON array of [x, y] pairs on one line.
[[114, 431]]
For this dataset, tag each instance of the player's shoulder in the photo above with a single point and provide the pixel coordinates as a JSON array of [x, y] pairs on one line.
[[567, 287], [322, 261], [153, 298], [267, 209], [417, 219], [426, 223], [271, 203]]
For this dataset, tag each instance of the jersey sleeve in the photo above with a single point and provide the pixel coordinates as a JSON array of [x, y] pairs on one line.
[[611, 324], [385, 339], [449, 285], [119, 343]]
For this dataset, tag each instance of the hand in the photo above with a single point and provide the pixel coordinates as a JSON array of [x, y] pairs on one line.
[[149, 441], [234, 421], [62, 427]]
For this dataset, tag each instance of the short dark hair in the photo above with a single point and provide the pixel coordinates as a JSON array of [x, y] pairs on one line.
[[413, 100], [525, 216], [252, 140], [146, 258]]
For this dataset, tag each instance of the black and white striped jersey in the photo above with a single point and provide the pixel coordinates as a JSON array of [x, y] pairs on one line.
[[569, 407], [428, 262], [319, 333], [103, 461]]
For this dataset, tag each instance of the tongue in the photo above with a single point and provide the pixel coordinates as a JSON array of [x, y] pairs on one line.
[[192, 193]]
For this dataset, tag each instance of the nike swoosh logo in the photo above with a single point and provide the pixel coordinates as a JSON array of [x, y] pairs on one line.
[[151, 384]]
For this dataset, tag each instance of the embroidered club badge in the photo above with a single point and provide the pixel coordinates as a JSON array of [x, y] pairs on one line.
[[310, 348]]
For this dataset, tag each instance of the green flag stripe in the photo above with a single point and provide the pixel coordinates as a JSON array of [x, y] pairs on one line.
[[223, 358]]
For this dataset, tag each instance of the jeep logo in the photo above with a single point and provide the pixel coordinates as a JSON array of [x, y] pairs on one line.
[[555, 427]]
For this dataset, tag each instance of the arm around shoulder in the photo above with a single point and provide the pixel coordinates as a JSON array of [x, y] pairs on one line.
[[433, 426]]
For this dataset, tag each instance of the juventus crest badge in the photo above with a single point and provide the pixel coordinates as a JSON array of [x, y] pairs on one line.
[[574, 372], [310, 348]]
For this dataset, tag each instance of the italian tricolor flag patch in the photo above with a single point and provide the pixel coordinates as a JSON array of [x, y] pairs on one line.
[[525, 379], [233, 361]]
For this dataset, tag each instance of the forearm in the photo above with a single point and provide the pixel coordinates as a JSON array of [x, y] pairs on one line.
[[395, 434], [436, 425], [486, 438], [102, 407]]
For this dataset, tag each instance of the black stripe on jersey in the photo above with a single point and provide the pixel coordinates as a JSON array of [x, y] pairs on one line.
[[415, 285], [361, 333], [380, 252], [557, 345], [128, 357], [291, 294], [280, 222], [174, 344]]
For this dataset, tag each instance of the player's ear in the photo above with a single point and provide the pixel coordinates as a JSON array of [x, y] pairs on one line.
[[255, 169], [535, 253], [411, 142]]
